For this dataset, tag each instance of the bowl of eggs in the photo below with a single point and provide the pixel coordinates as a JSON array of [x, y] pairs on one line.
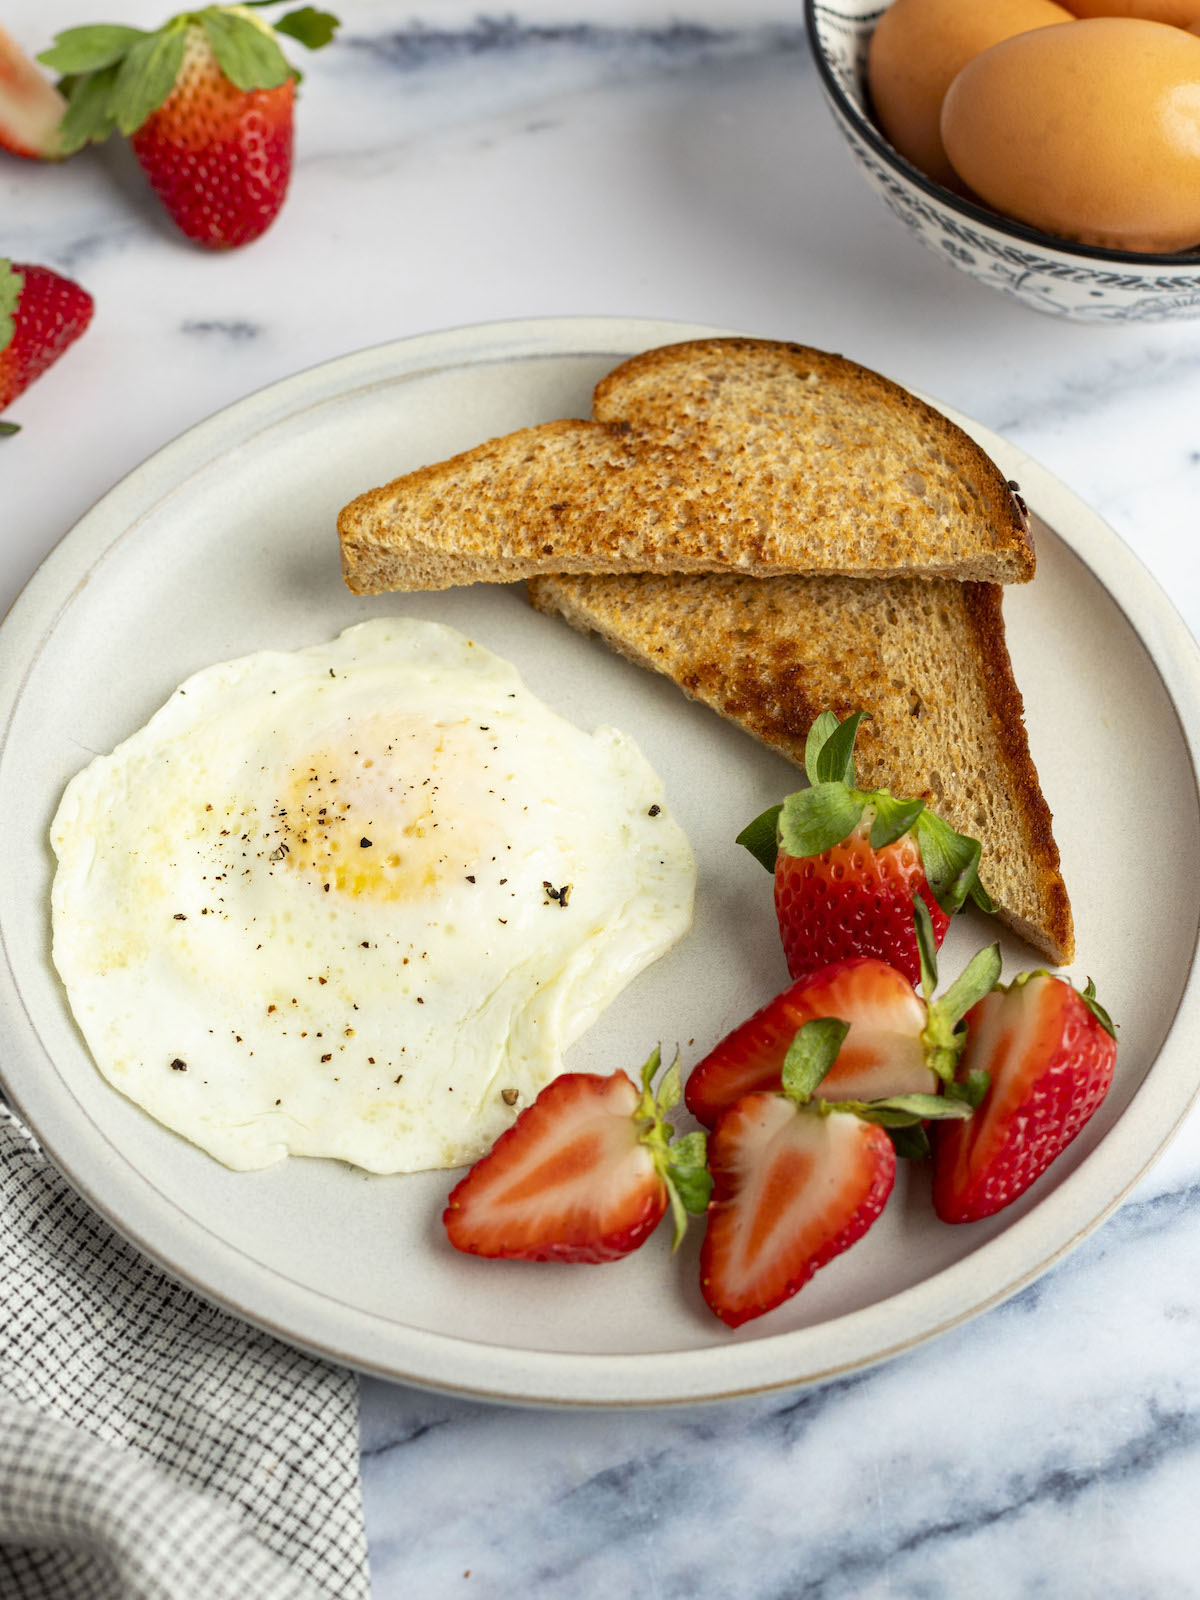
[[1051, 151]]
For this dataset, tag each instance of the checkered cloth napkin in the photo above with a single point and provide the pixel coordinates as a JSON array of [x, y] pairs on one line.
[[152, 1447]]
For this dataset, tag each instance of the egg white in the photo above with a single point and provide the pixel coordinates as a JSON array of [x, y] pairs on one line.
[[355, 901]]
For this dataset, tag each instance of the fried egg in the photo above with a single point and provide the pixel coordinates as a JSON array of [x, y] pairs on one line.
[[355, 901]]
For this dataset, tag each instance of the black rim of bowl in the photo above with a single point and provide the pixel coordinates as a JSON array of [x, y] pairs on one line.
[[965, 208]]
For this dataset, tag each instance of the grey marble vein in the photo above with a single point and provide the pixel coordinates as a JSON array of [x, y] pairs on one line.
[[418, 47], [236, 330]]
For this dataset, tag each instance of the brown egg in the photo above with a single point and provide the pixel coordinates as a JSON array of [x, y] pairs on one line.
[[916, 50], [1180, 13], [1090, 131]]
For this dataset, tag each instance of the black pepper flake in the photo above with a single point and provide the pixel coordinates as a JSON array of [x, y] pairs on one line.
[[510, 1096], [399, 1078], [180, 916], [364, 844], [654, 811], [178, 1066], [470, 877], [279, 1102], [420, 1002], [328, 1057]]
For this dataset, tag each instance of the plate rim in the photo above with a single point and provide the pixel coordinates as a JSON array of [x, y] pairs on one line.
[[310, 1319]]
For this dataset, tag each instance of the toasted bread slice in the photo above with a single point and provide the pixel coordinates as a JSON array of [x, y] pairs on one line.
[[928, 660], [719, 455]]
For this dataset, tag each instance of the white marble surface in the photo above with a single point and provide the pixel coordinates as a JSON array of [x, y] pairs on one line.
[[643, 159]]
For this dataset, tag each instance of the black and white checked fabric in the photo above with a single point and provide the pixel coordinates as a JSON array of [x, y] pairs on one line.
[[152, 1447]]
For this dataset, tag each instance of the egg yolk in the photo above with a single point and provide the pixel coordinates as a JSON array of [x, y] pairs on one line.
[[382, 817]]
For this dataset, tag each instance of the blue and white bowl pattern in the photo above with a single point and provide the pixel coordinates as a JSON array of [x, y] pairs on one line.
[[1083, 282]]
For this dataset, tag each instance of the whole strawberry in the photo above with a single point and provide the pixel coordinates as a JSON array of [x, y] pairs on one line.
[[206, 102], [41, 313], [848, 862]]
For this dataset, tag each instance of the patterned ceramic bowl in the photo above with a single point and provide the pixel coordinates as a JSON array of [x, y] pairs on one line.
[[1081, 281]]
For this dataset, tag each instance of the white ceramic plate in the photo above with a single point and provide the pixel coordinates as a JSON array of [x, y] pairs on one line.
[[224, 543]]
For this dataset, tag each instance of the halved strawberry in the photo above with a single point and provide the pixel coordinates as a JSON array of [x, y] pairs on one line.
[[897, 1043], [1049, 1054], [847, 862], [41, 313], [31, 108], [584, 1174], [206, 101], [796, 1180], [882, 1054]]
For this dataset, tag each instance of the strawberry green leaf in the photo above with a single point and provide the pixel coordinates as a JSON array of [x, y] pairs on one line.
[[893, 818], [247, 54], [835, 759], [982, 898], [8, 428], [819, 735], [978, 978], [950, 859], [689, 1183], [11, 284], [910, 1143], [814, 820], [761, 837], [90, 116], [688, 1192], [693, 1182], [689, 1153], [670, 1090], [942, 1036], [649, 1067], [146, 76], [921, 1107], [926, 947], [971, 1089], [88, 49], [1088, 995], [810, 1055], [314, 29]]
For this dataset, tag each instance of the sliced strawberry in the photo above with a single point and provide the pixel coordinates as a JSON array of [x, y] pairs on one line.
[[31, 108], [584, 1174], [848, 862], [896, 1043], [883, 1053], [41, 313], [206, 101], [1049, 1053], [797, 1179], [791, 1190]]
